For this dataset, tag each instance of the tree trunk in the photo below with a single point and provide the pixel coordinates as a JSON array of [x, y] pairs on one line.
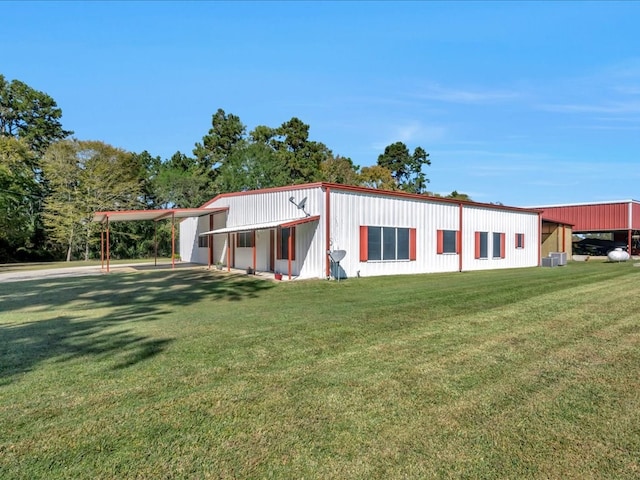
[[86, 246], [70, 245]]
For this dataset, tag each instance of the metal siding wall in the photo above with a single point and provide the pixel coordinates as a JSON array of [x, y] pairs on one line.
[[635, 216], [350, 210], [188, 246], [261, 207], [480, 219]]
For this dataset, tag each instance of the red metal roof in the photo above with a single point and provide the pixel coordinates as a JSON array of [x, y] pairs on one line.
[[597, 216], [136, 215]]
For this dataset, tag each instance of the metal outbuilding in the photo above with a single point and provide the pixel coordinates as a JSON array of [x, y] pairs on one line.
[[294, 230], [619, 218]]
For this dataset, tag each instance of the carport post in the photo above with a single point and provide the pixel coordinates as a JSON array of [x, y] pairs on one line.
[[102, 246], [108, 252], [173, 240], [155, 244]]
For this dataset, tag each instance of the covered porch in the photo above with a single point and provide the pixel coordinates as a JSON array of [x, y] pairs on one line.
[[268, 247]]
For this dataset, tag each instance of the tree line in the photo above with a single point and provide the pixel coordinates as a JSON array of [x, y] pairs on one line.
[[51, 183]]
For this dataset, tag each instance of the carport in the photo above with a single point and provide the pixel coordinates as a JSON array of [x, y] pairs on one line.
[[105, 219]]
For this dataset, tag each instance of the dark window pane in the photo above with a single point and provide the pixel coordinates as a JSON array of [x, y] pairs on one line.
[[375, 243], [403, 244], [284, 242], [496, 245], [388, 243], [484, 248], [449, 241]]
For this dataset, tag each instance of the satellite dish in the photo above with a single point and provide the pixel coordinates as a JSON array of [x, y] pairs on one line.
[[337, 255], [300, 204]]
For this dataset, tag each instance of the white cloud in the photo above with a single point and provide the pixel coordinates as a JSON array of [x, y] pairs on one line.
[[412, 133], [471, 96], [605, 107]]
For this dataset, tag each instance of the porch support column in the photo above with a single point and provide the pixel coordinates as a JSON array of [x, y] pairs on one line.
[[254, 251], [228, 252], [290, 244], [210, 242]]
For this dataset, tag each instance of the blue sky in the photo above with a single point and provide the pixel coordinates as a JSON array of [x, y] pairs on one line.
[[523, 103]]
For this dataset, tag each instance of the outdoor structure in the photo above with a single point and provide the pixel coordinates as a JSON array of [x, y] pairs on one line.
[[617, 220], [106, 218], [555, 236], [324, 230]]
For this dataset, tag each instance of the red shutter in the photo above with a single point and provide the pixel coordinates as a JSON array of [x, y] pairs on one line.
[[502, 245], [412, 244], [477, 254], [517, 240], [440, 241], [279, 244], [364, 243], [522, 240]]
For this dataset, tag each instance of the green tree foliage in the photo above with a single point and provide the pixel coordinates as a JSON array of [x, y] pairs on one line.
[[226, 133], [459, 196], [181, 183], [30, 115], [406, 168], [298, 157], [378, 177], [85, 177], [33, 118], [339, 170], [250, 167], [19, 193]]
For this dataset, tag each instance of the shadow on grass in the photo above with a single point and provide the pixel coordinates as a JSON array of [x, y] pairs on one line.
[[66, 326]]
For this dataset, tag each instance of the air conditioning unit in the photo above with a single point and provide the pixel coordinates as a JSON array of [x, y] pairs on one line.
[[549, 262], [560, 256]]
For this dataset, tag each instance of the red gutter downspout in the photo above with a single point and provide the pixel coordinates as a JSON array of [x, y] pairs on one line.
[[327, 228], [460, 238], [539, 238], [108, 252]]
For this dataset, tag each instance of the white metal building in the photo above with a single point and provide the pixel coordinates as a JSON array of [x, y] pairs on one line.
[[290, 230]]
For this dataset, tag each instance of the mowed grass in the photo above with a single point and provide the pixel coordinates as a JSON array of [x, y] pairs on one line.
[[526, 373]]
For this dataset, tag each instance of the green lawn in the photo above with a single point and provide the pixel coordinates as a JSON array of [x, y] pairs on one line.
[[527, 373]]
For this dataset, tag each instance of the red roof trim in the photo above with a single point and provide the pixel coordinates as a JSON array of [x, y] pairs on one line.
[[293, 223], [373, 191], [559, 222], [155, 215]]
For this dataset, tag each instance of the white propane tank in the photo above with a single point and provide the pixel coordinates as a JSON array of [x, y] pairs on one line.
[[618, 255]]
